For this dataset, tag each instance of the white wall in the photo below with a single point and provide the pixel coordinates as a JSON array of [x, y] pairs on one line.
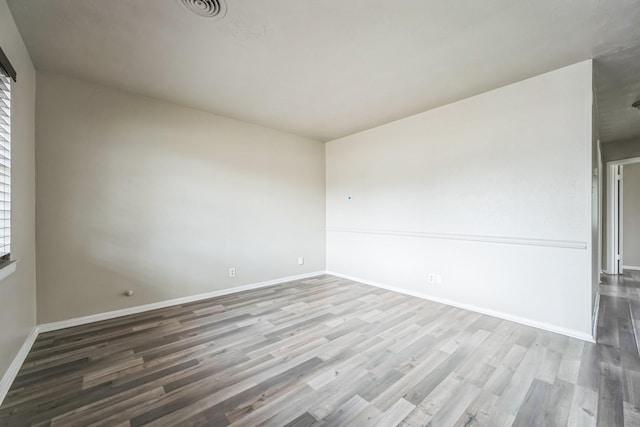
[[631, 215], [17, 292], [135, 193], [598, 171], [620, 150], [493, 193]]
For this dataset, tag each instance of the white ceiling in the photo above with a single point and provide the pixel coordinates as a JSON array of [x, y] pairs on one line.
[[325, 68], [617, 78]]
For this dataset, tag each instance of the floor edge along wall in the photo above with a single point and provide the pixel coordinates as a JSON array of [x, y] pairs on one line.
[[521, 320], [9, 376]]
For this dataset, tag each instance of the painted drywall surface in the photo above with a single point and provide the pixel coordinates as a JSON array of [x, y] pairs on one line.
[[320, 68], [631, 215], [514, 162], [620, 150], [18, 291], [605, 217], [135, 193], [596, 199]]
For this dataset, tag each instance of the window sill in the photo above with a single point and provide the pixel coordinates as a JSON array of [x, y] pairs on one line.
[[8, 270]]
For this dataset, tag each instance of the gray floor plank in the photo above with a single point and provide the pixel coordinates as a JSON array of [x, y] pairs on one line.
[[330, 351]]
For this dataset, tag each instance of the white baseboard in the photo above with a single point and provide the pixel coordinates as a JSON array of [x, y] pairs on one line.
[[10, 375], [14, 368], [517, 319], [77, 321], [630, 267]]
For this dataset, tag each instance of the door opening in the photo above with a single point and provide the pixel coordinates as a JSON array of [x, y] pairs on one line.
[[615, 209]]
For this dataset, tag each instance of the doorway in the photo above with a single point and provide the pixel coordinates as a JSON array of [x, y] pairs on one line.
[[615, 260]]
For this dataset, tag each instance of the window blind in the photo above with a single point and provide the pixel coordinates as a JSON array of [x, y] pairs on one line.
[[5, 169], [5, 66]]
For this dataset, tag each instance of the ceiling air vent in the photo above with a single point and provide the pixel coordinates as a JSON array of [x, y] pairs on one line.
[[206, 8]]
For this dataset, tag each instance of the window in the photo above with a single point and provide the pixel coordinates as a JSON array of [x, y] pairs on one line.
[[5, 170], [7, 73]]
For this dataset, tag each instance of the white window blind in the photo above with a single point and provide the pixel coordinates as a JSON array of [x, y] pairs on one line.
[[5, 169]]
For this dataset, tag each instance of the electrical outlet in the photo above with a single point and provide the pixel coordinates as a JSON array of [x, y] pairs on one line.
[[431, 278], [232, 272], [301, 260]]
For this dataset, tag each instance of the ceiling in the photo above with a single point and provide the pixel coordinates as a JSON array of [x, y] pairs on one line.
[[617, 83], [326, 68]]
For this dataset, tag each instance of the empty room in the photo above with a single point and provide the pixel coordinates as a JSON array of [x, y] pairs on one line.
[[319, 213]]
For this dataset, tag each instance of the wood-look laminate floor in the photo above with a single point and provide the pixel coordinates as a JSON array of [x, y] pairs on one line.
[[328, 351]]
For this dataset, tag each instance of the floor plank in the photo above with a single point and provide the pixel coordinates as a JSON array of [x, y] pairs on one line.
[[330, 351]]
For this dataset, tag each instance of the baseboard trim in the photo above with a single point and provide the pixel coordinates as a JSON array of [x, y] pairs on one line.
[[517, 319], [14, 368], [16, 364], [630, 267], [77, 321]]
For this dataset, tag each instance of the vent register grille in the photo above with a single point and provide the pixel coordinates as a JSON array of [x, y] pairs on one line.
[[206, 8]]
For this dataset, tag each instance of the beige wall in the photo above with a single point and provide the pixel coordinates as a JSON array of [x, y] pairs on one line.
[[491, 193], [17, 292], [631, 215], [135, 193]]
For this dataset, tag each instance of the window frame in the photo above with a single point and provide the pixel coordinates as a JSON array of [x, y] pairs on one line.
[[7, 73]]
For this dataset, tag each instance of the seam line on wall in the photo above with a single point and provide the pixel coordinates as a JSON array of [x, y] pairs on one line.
[[567, 244]]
